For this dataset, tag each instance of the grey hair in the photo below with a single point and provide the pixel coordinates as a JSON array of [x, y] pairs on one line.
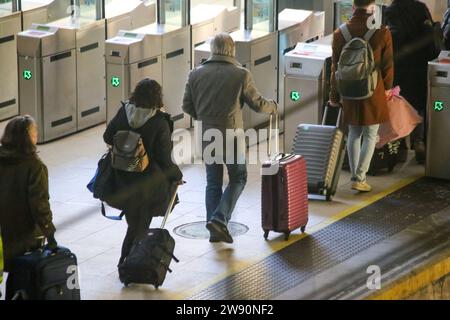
[[223, 45]]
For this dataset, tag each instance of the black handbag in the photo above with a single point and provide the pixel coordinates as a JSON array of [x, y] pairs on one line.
[[103, 184], [104, 179]]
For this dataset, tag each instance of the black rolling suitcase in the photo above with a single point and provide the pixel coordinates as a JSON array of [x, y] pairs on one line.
[[150, 257], [323, 147], [44, 275]]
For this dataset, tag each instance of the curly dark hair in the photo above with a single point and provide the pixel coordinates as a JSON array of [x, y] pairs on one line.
[[147, 94], [16, 136]]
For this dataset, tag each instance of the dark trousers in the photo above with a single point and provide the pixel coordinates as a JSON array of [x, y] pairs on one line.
[[138, 221]]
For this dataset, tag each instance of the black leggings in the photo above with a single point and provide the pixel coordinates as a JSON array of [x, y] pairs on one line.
[[138, 221]]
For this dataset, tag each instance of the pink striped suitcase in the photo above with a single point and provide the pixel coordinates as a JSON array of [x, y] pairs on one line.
[[285, 195]]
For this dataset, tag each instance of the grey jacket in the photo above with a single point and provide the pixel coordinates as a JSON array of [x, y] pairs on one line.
[[217, 90]]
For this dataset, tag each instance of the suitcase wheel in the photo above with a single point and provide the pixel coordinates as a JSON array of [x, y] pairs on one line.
[[286, 236], [156, 287], [303, 229], [266, 234]]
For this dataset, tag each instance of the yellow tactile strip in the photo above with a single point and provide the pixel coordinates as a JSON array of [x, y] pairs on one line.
[[415, 281], [280, 245]]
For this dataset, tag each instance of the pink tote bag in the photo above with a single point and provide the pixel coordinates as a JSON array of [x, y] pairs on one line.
[[403, 118]]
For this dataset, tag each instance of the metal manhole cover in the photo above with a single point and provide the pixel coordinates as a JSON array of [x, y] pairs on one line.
[[197, 230]]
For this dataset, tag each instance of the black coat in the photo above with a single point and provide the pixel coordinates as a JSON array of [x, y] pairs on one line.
[[150, 190], [413, 48], [24, 203]]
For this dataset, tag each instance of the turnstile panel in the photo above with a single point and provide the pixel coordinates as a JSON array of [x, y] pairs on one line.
[[30, 93], [51, 102], [91, 91], [438, 117], [264, 68], [122, 79], [438, 157], [176, 68], [59, 96], [9, 27], [148, 68], [301, 98], [117, 88]]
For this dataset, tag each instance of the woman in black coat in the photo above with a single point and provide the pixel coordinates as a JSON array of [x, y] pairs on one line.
[[410, 23], [145, 195], [25, 215]]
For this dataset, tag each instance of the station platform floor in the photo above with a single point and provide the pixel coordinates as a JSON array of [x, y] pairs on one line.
[[97, 241]]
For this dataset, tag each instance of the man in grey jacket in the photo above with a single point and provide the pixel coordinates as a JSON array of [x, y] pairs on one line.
[[215, 95]]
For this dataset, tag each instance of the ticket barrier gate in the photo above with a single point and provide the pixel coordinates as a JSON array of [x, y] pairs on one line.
[[295, 26], [128, 15], [90, 70], [208, 20], [10, 26], [306, 86], [43, 11], [160, 52], [263, 52], [47, 76], [438, 117]]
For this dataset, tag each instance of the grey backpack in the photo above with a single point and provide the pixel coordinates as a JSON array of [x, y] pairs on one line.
[[356, 73]]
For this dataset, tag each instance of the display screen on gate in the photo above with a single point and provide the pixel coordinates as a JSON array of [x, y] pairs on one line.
[[115, 82], [27, 74], [295, 96], [438, 106]]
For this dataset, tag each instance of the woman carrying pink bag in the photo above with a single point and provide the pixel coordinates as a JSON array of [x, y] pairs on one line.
[[403, 118]]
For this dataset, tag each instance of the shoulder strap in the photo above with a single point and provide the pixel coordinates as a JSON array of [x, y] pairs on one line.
[[369, 34], [345, 32], [116, 218]]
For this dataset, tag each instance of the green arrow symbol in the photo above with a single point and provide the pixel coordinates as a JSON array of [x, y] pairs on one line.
[[27, 74], [115, 81], [295, 96], [438, 106]]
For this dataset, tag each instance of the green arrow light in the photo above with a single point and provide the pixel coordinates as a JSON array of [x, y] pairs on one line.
[[438, 106], [295, 96], [27, 74], [115, 81]]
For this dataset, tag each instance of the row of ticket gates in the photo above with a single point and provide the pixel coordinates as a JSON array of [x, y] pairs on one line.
[[63, 66], [70, 78]]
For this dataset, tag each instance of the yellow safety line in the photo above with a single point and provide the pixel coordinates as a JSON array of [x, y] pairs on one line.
[[411, 283], [294, 238]]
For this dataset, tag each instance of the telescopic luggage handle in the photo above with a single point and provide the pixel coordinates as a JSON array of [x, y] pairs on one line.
[[172, 202], [271, 127], [325, 113]]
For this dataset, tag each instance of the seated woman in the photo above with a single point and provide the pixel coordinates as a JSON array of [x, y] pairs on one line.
[[145, 195], [25, 215]]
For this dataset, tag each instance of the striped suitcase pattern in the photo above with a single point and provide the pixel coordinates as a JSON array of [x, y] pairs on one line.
[[285, 196], [323, 148]]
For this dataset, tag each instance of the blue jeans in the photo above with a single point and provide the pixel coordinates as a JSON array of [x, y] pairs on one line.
[[220, 204], [359, 159]]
